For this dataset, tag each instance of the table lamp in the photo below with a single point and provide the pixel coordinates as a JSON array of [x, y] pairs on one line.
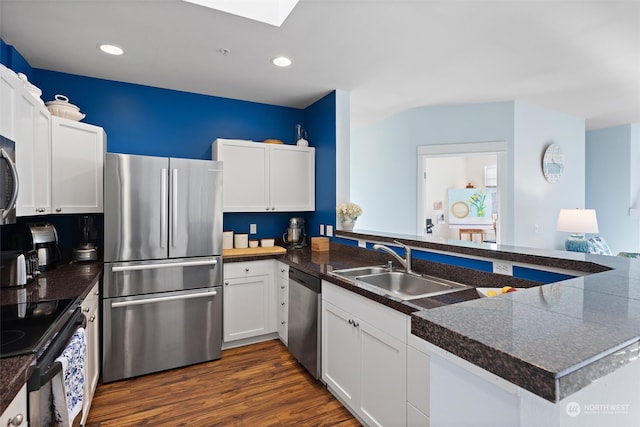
[[578, 222]]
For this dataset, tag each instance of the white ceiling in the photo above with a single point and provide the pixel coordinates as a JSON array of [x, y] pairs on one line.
[[578, 57]]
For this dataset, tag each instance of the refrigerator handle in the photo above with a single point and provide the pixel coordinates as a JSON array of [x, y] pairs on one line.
[[163, 207], [174, 206], [155, 266], [163, 299]]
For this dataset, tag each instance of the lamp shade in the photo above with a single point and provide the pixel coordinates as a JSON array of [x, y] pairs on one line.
[[578, 221]]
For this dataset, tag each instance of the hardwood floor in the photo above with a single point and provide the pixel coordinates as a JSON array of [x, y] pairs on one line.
[[256, 385]]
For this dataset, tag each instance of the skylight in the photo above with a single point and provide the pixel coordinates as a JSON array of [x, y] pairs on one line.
[[273, 12]]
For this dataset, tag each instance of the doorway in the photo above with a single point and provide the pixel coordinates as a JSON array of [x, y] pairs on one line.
[[447, 170]]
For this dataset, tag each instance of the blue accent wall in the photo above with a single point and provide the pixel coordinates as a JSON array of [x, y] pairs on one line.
[[320, 123], [11, 58], [160, 122]]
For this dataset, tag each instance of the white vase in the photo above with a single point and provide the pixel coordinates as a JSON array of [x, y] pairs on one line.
[[348, 224]]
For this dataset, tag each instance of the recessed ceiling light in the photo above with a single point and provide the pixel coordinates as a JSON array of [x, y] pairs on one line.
[[282, 61], [111, 49]]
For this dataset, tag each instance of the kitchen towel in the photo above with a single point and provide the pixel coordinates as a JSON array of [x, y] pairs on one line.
[[68, 385]]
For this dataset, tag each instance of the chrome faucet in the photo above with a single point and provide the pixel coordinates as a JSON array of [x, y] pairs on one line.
[[405, 262]]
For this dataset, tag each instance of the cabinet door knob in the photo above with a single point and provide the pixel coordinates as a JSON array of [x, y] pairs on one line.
[[226, 283], [58, 209], [246, 269], [350, 321], [15, 421], [92, 318], [86, 310], [282, 270], [282, 287], [282, 323], [96, 293], [282, 303], [355, 324]]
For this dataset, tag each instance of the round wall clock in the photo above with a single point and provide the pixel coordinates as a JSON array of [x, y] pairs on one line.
[[553, 163]]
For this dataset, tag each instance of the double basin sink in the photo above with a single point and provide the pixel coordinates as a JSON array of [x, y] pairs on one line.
[[403, 285]]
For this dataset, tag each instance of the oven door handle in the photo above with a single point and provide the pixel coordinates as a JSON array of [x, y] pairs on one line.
[[53, 369]]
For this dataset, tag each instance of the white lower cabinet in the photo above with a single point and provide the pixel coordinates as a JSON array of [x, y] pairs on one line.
[[90, 307], [282, 280], [418, 389], [16, 412], [249, 300], [364, 359]]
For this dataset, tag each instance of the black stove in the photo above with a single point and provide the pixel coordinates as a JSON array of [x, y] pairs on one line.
[[30, 327]]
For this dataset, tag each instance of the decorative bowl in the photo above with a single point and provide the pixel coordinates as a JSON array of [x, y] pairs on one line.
[[61, 107]]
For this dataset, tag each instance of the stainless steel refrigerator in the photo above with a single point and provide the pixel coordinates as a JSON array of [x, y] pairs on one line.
[[162, 295]]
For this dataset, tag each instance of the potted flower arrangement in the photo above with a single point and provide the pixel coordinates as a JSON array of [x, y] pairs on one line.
[[348, 213]]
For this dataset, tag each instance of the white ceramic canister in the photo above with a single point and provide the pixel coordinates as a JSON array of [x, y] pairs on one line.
[[241, 241], [227, 240]]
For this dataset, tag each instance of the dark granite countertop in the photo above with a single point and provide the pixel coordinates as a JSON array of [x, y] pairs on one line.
[[552, 340], [64, 281]]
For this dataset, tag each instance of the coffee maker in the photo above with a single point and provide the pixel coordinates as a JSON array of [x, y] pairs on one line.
[[295, 236], [45, 241]]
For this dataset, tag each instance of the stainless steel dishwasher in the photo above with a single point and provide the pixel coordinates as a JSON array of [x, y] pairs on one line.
[[305, 313]]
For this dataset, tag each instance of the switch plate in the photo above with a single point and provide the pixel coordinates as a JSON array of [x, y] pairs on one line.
[[502, 268], [322, 229], [329, 230], [253, 228]]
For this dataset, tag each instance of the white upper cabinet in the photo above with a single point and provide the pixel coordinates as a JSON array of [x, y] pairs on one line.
[[33, 155], [77, 164], [259, 177], [292, 178], [9, 91]]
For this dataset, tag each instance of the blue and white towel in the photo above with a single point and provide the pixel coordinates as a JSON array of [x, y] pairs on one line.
[[68, 385]]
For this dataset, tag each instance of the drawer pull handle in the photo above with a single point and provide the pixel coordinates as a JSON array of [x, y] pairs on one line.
[[15, 421]]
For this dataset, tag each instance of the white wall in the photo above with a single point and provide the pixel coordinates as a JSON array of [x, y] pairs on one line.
[[443, 173], [536, 201], [613, 184], [384, 166], [384, 156]]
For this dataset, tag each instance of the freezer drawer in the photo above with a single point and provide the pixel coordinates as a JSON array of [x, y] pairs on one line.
[[151, 277], [151, 333]]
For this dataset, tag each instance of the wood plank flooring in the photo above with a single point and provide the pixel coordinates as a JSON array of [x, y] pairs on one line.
[[255, 385]]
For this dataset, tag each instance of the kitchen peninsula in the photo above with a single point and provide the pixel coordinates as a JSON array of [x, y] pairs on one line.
[[564, 345]]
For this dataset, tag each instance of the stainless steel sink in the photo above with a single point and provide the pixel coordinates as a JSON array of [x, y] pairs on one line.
[[361, 271], [403, 285]]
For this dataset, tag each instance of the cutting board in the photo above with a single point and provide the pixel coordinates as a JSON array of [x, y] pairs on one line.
[[274, 250]]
